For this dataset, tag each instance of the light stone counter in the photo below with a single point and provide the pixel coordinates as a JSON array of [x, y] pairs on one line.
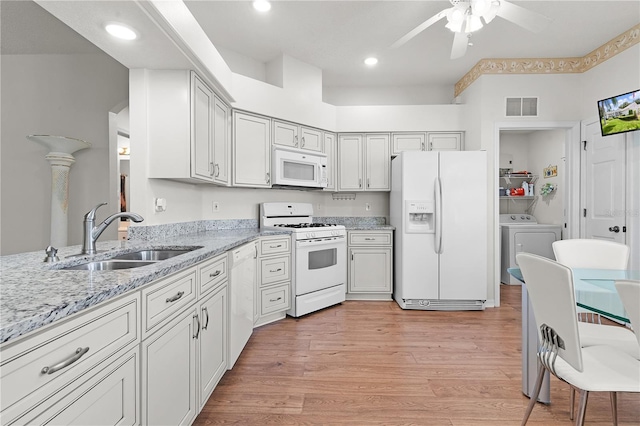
[[34, 293]]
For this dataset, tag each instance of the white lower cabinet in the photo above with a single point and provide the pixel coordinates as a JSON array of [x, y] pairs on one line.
[[169, 373], [212, 343], [370, 267], [273, 292]]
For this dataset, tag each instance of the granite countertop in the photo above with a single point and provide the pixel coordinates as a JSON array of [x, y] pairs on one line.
[[34, 293]]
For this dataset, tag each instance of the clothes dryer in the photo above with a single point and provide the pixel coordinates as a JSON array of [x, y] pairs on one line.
[[522, 232]]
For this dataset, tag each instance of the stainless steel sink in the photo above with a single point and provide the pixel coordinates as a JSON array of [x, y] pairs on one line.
[[109, 265], [154, 254]]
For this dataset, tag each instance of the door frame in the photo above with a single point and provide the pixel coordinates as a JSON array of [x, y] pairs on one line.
[[571, 182]]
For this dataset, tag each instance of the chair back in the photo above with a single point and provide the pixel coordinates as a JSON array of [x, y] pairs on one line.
[[629, 291], [591, 254], [550, 288]]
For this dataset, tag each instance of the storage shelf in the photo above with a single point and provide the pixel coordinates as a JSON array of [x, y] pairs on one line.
[[518, 197]]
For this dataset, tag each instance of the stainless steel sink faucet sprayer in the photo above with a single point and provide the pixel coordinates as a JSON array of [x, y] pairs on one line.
[[92, 232]]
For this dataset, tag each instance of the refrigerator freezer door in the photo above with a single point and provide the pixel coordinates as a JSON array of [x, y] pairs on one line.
[[463, 258]]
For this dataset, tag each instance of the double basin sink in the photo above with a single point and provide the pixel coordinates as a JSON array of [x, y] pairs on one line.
[[131, 260]]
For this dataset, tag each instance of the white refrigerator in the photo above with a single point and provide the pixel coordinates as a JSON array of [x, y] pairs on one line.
[[439, 209]]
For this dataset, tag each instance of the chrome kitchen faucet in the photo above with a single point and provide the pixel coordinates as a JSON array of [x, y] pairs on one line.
[[92, 232]]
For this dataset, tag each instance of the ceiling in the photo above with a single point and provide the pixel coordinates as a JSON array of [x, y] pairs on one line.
[[334, 36]]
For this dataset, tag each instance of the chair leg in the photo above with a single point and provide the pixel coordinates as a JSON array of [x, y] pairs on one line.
[[536, 392], [572, 401], [582, 409], [614, 408]]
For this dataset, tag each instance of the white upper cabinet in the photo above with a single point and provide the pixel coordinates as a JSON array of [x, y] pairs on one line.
[[251, 150], [408, 142], [296, 136], [221, 143], [330, 149], [186, 136], [311, 139], [445, 141], [364, 162]]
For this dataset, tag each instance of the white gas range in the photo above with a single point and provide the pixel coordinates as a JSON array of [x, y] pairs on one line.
[[319, 259]]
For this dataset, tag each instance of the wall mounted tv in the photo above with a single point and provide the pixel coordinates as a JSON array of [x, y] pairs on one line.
[[619, 114]]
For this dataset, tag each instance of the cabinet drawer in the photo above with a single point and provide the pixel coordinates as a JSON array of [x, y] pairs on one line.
[[382, 238], [275, 299], [107, 395], [274, 269], [275, 246], [166, 297], [212, 273], [55, 357]]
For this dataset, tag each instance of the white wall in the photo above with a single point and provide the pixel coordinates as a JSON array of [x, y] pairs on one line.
[[68, 95], [546, 147], [389, 95]]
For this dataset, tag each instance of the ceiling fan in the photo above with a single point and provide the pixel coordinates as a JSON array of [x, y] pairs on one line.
[[466, 16]]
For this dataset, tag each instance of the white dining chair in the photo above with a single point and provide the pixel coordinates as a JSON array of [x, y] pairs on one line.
[[589, 369], [629, 291]]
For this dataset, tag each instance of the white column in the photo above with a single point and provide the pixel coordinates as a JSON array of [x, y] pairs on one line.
[[61, 160]]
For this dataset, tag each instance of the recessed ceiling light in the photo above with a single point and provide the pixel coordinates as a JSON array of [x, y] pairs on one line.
[[121, 31], [262, 5], [371, 61]]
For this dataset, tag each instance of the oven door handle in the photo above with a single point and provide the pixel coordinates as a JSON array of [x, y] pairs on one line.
[[320, 242]]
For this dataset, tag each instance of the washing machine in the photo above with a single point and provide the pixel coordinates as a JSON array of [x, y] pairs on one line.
[[522, 232]]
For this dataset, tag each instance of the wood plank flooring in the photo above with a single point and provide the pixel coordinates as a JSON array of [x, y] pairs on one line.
[[372, 363]]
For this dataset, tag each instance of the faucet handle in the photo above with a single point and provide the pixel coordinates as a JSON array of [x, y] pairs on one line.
[[92, 213], [52, 254]]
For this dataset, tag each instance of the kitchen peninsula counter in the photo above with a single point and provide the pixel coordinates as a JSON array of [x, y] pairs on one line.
[[34, 293]]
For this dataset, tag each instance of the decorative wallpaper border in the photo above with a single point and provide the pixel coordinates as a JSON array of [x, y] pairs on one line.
[[550, 65]]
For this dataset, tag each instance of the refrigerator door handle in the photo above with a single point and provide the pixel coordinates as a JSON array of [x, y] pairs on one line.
[[438, 211]]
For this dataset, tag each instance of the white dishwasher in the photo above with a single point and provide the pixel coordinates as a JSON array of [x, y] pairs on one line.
[[242, 284]]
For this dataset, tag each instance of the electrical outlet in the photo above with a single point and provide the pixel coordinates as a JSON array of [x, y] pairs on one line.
[[367, 206], [216, 206]]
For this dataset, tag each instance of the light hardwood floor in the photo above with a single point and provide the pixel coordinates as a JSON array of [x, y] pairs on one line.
[[371, 363]]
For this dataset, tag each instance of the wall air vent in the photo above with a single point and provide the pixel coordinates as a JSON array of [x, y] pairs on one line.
[[522, 107]]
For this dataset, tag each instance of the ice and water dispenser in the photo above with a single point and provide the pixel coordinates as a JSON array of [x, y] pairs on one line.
[[419, 217]]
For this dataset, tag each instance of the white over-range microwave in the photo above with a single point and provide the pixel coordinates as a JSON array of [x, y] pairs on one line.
[[297, 167]]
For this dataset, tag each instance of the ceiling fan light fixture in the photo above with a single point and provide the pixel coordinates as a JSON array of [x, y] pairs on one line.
[[455, 19], [492, 12], [472, 23]]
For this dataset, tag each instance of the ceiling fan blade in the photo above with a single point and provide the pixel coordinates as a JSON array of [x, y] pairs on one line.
[[528, 19], [459, 48], [417, 30]]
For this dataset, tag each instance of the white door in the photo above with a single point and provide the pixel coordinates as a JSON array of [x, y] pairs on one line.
[[252, 150], [201, 130], [378, 163], [221, 142], [350, 159], [604, 181]]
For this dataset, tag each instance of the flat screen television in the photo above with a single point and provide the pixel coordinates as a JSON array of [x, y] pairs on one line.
[[619, 114]]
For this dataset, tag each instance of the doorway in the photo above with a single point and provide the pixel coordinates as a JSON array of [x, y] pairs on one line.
[[568, 180], [119, 163]]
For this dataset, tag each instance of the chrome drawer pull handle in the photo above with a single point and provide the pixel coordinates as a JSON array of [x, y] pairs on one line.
[[176, 297], [278, 246], [277, 270], [206, 324], [195, 336], [77, 355], [369, 239], [275, 300], [215, 274]]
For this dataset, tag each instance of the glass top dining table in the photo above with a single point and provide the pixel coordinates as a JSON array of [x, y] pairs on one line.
[[596, 291]]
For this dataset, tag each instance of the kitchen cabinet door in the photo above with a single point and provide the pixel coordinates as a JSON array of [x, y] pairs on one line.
[[408, 142], [212, 343], [378, 162], [370, 270], [221, 142], [169, 373], [451, 141], [350, 162], [286, 134], [201, 129], [330, 150], [252, 150], [311, 139]]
